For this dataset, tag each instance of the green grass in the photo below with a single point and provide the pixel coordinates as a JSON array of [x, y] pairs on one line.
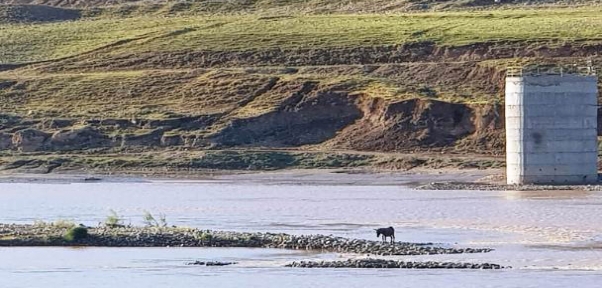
[[196, 162], [287, 7], [21, 43], [206, 160], [26, 42], [147, 94]]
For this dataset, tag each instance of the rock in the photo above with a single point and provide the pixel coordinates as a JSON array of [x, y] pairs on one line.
[[152, 138], [211, 263], [171, 140], [482, 186], [56, 123], [389, 264], [79, 138], [119, 235], [29, 140], [6, 141], [116, 123]]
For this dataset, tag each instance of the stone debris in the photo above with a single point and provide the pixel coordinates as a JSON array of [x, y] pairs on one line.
[[52, 235], [503, 187], [211, 263], [384, 264]]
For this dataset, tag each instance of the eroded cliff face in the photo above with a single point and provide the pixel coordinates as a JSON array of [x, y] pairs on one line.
[[406, 125], [320, 118], [436, 99]]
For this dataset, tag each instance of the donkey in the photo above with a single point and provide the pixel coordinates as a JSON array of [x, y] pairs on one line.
[[386, 232]]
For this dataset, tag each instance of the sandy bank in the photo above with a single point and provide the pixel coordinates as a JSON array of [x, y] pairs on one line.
[[281, 177]]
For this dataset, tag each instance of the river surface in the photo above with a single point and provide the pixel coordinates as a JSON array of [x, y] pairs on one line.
[[551, 239]]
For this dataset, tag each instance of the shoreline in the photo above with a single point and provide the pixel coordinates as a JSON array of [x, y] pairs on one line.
[[347, 176], [424, 179], [492, 186]]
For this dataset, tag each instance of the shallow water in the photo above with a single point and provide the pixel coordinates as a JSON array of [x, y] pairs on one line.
[[550, 238]]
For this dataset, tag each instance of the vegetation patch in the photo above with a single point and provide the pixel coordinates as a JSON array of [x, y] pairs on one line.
[[76, 234], [151, 221], [248, 160], [113, 220], [128, 36]]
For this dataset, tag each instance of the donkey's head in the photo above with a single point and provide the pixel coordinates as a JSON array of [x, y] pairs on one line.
[[378, 232]]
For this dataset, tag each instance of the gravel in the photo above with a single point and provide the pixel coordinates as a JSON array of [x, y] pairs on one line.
[[503, 187], [384, 264], [49, 235], [53, 235], [211, 263]]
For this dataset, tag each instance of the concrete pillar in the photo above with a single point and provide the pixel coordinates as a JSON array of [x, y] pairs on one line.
[[551, 129]]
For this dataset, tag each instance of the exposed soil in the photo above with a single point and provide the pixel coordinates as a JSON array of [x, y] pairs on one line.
[[273, 107], [415, 124], [423, 52], [261, 107], [329, 119]]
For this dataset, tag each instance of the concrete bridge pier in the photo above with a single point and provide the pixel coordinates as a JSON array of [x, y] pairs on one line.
[[551, 129]]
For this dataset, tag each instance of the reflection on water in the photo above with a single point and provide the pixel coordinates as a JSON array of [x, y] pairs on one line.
[[550, 237], [548, 195]]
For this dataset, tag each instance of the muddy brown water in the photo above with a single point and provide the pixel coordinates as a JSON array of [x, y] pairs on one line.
[[550, 239]]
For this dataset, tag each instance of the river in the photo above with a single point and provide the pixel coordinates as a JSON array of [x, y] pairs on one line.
[[550, 238]]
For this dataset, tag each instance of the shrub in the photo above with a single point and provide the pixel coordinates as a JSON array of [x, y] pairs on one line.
[[113, 220], [61, 223], [427, 92], [205, 237], [150, 221], [76, 233]]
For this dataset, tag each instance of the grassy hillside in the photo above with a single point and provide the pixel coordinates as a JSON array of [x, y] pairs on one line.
[[293, 6], [303, 75], [21, 43]]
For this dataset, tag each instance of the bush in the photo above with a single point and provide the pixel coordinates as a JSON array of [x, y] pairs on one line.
[[63, 224], [76, 233], [205, 237], [150, 221], [113, 220]]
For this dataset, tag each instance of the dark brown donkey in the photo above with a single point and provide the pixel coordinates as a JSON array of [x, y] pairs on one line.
[[386, 232]]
